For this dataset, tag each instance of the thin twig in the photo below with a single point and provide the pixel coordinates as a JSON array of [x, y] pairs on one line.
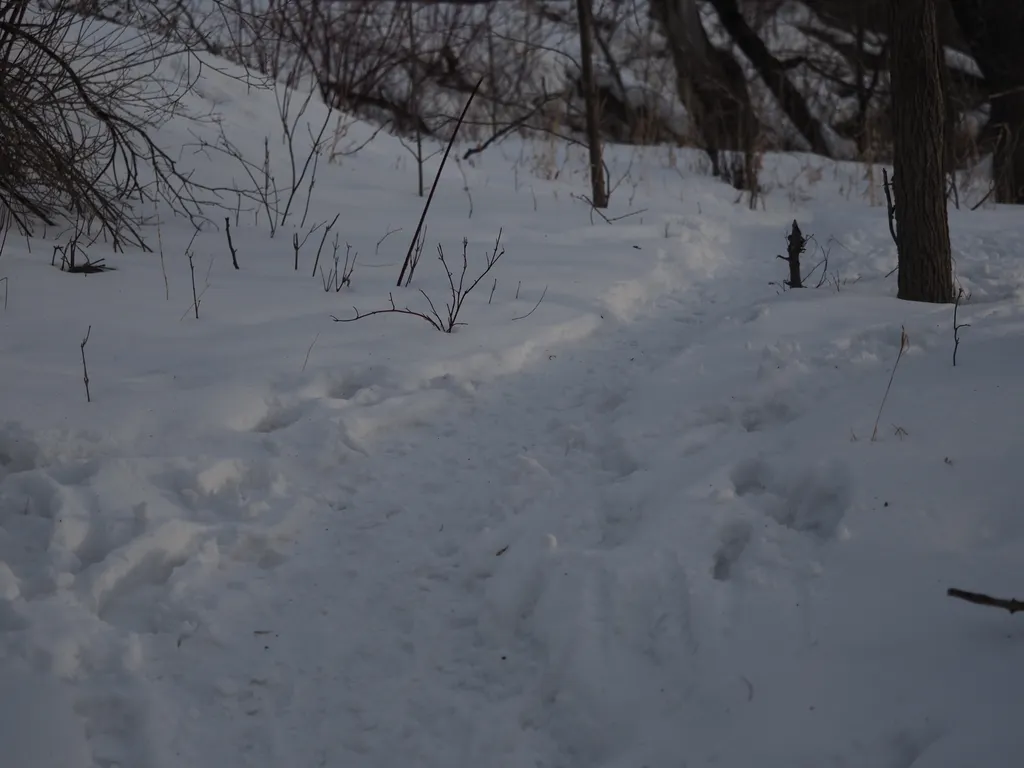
[[517, 124], [231, 246], [458, 290], [607, 219], [376, 251], [542, 295], [957, 326], [192, 270], [983, 200], [344, 277], [890, 206], [904, 343], [163, 265], [416, 255], [85, 367], [613, 219], [308, 351], [393, 310], [437, 179], [465, 185], [316, 261]]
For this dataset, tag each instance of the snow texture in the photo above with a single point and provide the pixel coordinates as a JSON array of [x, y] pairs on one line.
[[645, 525]]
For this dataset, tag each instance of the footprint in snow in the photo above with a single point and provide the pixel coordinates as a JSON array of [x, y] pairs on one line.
[[18, 451], [277, 417], [812, 500], [358, 385], [605, 448], [767, 414], [761, 415], [131, 587], [734, 540]]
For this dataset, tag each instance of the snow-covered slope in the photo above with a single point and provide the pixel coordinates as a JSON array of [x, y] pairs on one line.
[[644, 525]]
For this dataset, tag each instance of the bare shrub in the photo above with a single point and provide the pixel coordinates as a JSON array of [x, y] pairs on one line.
[[757, 76], [79, 99], [459, 291], [304, 140]]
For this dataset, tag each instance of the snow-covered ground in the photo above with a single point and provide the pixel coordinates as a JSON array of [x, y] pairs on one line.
[[644, 525]]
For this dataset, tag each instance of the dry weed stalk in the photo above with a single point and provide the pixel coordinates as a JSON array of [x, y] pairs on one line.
[[904, 344]]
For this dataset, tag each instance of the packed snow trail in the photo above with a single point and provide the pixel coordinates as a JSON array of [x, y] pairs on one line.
[[383, 637]]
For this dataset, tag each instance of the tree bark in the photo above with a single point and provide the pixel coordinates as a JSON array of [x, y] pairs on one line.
[[1007, 118], [995, 34], [773, 74], [710, 83], [918, 109], [598, 185]]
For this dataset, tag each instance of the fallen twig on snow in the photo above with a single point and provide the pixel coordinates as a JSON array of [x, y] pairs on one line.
[[1013, 606]]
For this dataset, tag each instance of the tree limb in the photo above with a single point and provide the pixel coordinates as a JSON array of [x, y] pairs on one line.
[[1013, 606]]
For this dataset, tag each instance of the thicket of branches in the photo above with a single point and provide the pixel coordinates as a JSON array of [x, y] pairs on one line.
[[80, 97], [79, 100], [736, 77]]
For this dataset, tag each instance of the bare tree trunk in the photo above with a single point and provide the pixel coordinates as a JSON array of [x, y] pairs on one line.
[[710, 83], [598, 185], [994, 30], [1008, 157], [773, 74], [918, 110], [950, 118]]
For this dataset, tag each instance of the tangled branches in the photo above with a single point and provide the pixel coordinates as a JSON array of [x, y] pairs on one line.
[[458, 289], [79, 99]]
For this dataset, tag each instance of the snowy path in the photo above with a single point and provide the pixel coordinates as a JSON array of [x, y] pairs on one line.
[[382, 639]]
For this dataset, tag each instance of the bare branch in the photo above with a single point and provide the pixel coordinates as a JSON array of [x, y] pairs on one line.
[[231, 246], [85, 367], [978, 598], [437, 178], [542, 295]]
